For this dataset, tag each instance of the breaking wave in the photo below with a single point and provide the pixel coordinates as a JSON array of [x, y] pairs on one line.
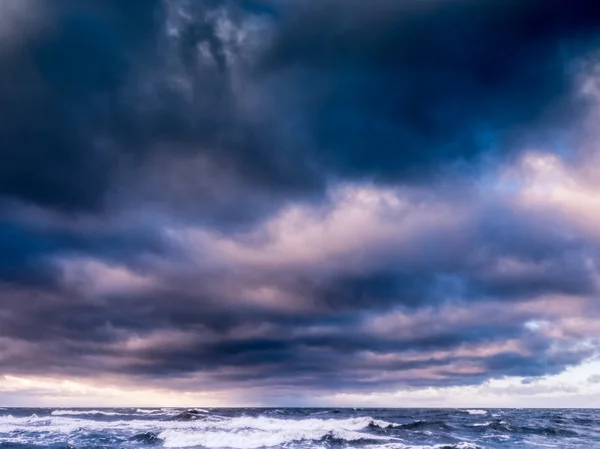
[[476, 412], [292, 429], [252, 438], [415, 425], [85, 412], [150, 411]]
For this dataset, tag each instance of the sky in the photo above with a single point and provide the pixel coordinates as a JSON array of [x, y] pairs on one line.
[[300, 203]]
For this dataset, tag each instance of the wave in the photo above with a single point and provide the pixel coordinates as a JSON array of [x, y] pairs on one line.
[[155, 427], [150, 411], [503, 426], [415, 425], [482, 424], [255, 438], [475, 412], [66, 422], [191, 414], [250, 433], [422, 425], [61, 412], [146, 438]]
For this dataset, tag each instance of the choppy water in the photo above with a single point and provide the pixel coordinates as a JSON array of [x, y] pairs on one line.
[[298, 428]]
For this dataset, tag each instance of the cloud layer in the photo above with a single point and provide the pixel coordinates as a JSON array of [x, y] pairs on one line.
[[264, 196]]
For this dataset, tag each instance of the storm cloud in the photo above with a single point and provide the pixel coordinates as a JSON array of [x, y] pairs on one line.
[[338, 196]]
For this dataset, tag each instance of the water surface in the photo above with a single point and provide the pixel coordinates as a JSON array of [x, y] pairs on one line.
[[128, 428]]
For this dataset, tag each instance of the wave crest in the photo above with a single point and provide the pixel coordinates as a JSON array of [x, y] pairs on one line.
[[476, 412], [61, 412]]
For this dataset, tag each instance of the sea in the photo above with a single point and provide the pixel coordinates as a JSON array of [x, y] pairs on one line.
[[253, 428]]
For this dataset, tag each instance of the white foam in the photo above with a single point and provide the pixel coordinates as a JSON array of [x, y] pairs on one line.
[[214, 431], [476, 412], [251, 438], [84, 412], [250, 433], [274, 424], [200, 410], [153, 411]]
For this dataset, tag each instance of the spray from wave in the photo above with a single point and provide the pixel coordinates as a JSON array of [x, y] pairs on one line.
[[296, 428]]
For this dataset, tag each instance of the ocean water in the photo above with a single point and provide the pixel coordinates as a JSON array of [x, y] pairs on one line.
[[129, 428]]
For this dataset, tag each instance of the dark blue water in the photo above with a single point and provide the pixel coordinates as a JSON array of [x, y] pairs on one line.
[[298, 428]]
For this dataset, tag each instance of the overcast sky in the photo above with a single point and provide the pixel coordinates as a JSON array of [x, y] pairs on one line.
[[300, 202]]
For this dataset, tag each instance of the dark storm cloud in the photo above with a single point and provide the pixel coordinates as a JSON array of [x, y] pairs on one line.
[[71, 109], [28, 248], [60, 91], [123, 124], [335, 88], [97, 91], [400, 88]]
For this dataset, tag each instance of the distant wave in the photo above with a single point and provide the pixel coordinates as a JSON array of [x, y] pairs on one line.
[[149, 411], [504, 427], [482, 424], [292, 428], [415, 425], [476, 412], [191, 414], [84, 412]]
